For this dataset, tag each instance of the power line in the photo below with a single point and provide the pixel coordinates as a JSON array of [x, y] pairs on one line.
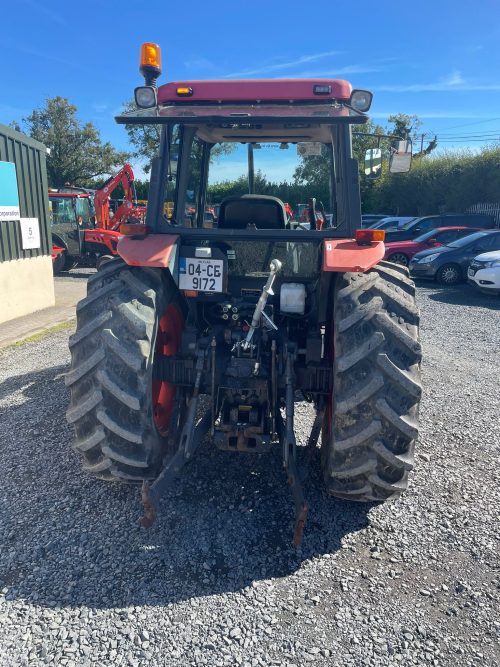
[[471, 136], [457, 134], [465, 141], [476, 122]]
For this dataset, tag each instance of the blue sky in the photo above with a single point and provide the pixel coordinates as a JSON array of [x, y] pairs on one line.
[[438, 59]]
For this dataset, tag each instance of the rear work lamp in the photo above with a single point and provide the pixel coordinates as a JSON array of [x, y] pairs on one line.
[[150, 62], [145, 96], [367, 236], [361, 100]]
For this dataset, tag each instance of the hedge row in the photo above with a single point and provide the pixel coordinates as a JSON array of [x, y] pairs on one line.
[[450, 182]]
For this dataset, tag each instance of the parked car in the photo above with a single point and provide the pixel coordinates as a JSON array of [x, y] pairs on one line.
[[419, 226], [484, 272], [448, 264], [400, 252], [391, 223], [368, 219]]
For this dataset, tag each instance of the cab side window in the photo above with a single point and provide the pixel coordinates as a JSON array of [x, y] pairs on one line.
[[83, 210]]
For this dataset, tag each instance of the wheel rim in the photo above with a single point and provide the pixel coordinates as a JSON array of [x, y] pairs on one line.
[[399, 258], [168, 342], [102, 260], [449, 275]]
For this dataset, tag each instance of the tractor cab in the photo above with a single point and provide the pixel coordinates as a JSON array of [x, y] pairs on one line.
[[70, 214]]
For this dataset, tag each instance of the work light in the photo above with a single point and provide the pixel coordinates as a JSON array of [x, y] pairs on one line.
[[145, 96], [361, 100]]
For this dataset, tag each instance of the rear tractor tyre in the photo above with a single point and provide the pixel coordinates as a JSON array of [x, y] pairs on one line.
[[121, 415], [371, 423]]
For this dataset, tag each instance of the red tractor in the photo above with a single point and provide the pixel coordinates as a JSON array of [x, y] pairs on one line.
[[86, 228], [249, 313]]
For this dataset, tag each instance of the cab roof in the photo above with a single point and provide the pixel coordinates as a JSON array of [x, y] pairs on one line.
[[69, 194], [280, 110], [255, 90]]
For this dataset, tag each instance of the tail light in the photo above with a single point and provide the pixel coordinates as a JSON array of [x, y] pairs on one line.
[[367, 236], [133, 229]]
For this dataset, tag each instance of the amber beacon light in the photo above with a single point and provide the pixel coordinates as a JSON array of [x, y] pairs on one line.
[[150, 62]]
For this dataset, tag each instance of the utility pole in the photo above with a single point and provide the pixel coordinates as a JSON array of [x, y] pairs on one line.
[[422, 143]]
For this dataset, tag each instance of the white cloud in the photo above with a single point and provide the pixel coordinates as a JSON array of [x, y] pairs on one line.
[[431, 114], [264, 69], [55, 17], [454, 81], [198, 62], [100, 107], [333, 72]]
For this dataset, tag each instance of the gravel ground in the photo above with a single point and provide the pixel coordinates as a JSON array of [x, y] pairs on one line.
[[215, 581]]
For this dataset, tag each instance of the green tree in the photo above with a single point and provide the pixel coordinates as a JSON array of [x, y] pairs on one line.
[[77, 154], [403, 125], [145, 140], [314, 170], [450, 182]]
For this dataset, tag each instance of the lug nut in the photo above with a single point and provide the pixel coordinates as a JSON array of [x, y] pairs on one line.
[[235, 316]]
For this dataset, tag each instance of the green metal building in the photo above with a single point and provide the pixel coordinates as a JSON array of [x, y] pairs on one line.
[[26, 280]]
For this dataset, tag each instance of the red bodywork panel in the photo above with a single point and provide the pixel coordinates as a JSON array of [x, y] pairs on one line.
[[106, 237], [154, 250], [346, 255], [56, 251], [272, 90]]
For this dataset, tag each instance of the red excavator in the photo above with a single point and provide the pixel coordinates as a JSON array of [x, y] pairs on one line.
[[80, 230]]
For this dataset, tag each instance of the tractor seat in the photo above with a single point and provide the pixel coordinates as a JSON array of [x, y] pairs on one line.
[[260, 210]]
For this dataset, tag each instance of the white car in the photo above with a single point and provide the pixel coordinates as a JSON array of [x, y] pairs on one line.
[[484, 272]]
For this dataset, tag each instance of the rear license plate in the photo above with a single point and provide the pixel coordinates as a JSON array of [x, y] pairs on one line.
[[201, 275]]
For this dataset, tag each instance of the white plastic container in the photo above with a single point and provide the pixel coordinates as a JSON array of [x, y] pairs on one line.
[[293, 298]]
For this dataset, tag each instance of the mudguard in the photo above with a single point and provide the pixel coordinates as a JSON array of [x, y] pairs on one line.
[[155, 250], [346, 255]]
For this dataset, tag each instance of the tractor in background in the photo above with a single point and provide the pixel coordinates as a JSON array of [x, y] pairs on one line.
[[84, 227]]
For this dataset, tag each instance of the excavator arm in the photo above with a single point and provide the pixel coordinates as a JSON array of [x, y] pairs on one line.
[[101, 201]]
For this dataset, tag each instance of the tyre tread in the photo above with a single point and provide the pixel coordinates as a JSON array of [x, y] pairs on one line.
[[111, 373], [369, 442]]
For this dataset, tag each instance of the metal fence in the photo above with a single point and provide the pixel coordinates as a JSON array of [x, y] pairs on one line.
[[487, 209], [29, 156]]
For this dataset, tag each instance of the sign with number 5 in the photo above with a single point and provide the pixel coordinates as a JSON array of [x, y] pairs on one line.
[[30, 232]]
